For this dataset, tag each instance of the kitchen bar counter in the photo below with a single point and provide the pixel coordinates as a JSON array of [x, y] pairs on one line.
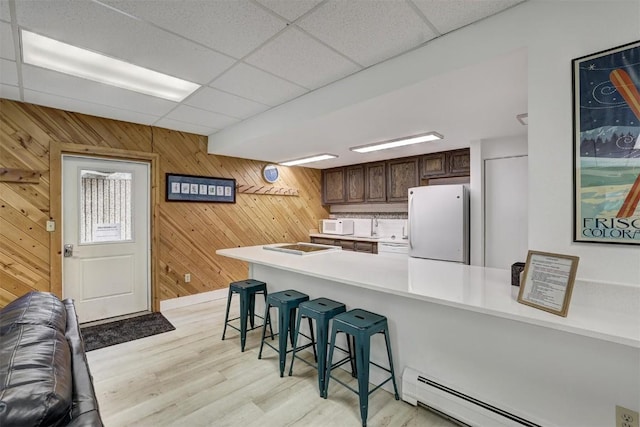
[[462, 327], [610, 313]]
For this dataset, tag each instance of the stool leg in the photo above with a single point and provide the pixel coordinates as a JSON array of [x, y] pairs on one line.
[[252, 309], [327, 376], [322, 337], [226, 317], [362, 363], [393, 375], [283, 330], [267, 318], [295, 342], [244, 313], [264, 320], [313, 340]]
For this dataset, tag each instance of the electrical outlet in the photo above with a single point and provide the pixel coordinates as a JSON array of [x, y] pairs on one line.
[[187, 278], [626, 417], [51, 225]]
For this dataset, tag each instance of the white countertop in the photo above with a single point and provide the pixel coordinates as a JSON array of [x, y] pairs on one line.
[[606, 312], [385, 239]]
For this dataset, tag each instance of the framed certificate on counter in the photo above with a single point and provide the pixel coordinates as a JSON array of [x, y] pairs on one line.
[[548, 281]]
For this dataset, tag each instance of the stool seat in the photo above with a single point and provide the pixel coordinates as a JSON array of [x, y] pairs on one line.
[[247, 290], [322, 310], [361, 325], [287, 303]]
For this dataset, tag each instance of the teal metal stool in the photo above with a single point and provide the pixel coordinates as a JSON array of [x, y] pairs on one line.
[[287, 303], [322, 310], [361, 325], [247, 290]]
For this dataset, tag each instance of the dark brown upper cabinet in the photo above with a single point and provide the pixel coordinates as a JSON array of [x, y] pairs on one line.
[[375, 182], [333, 186], [402, 175], [446, 164], [355, 184]]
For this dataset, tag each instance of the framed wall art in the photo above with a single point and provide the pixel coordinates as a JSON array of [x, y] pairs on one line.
[[192, 188], [606, 112], [547, 282]]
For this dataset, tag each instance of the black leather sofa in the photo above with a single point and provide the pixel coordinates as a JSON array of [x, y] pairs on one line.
[[44, 375]]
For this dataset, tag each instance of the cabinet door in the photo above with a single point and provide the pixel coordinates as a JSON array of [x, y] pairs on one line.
[[403, 174], [375, 182], [355, 184], [333, 186], [347, 245], [369, 247], [324, 241], [434, 165], [459, 162]]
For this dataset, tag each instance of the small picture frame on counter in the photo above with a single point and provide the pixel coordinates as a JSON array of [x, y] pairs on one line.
[[547, 281]]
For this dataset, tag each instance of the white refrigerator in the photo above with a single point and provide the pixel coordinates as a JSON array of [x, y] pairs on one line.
[[438, 225]]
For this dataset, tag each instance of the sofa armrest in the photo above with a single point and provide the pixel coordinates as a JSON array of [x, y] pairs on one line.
[[85, 411]]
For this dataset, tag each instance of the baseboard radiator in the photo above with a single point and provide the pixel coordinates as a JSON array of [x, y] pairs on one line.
[[418, 388]]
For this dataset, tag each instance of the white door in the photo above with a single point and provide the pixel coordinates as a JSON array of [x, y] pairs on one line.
[[105, 229], [506, 213]]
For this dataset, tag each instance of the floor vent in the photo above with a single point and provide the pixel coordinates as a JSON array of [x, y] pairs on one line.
[[463, 409]]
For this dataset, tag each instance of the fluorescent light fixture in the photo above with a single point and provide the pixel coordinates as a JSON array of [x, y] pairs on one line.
[[415, 139], [315, 158], [54, 55], [523, 119]]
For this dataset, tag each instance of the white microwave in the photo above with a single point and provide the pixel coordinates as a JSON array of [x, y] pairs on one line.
[[337, 226]]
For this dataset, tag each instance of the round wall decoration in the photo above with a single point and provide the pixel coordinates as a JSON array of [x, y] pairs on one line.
[[270, 173]]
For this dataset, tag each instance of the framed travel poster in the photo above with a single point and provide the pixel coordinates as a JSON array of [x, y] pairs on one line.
[[606, 112]]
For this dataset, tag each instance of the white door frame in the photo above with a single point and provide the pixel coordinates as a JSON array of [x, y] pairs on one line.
[[56, 150]]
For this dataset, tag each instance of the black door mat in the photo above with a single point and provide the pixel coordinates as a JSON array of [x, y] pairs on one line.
[[120, 331]]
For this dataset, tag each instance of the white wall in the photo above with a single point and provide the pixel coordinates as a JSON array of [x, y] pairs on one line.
[[554, 32], [481, 151]]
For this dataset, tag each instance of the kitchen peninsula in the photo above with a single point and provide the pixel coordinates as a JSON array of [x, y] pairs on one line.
[[462, 326]]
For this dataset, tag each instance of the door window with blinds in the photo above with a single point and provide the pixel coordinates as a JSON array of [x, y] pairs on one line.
[[106, 207]]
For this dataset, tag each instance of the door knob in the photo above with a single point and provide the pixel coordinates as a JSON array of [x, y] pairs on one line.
[[68, 251]]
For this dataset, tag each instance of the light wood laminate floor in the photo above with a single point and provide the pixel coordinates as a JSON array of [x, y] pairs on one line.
[[190, 377]]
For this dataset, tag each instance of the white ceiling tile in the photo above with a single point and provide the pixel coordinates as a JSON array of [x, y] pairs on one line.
[[187, 114], [452, 14], [90, 108], [54, 83], [367, 31], [9, 92], [249, 82], [217, 101], [5, 13], [98, 28], [290, 9], [7, 50], [8, 72], [184, 127], [232, 27], [295, 56]]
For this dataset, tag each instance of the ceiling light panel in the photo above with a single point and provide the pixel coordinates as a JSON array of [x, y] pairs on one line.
[[400, 142], [90, 25], [62, 57], [311, 159]]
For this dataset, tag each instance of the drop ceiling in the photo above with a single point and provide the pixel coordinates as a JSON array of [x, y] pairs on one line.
[[251, 56]]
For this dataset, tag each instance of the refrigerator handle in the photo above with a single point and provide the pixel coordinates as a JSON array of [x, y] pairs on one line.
[[409, 221]]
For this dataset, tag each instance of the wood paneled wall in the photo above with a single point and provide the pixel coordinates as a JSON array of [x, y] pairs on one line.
[[189, 233]]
